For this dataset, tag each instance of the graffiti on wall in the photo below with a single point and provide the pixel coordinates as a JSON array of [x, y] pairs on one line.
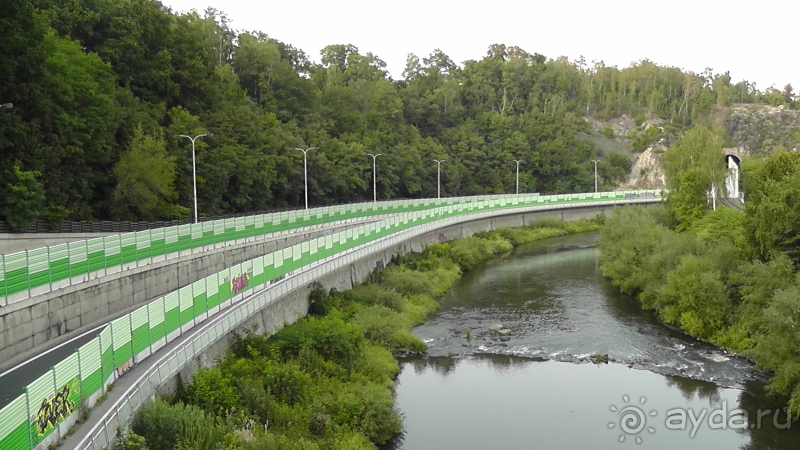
[[53, 410], [240, 282]]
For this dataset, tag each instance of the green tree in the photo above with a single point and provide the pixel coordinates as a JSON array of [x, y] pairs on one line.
[[213, 391], [145, 175], [694, 297], [22, 198], [693, 166]]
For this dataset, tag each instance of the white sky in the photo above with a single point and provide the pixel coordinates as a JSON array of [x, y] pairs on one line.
[[756, 41]]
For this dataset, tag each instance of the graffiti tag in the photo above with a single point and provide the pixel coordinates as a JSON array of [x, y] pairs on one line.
[[240, 282], [54, 409]]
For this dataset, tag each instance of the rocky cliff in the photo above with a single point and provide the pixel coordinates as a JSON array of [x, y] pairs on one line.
[[753, 129], [759, 129]]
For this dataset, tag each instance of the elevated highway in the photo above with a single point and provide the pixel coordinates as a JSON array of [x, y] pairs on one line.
[[142, 351], [50, 295]]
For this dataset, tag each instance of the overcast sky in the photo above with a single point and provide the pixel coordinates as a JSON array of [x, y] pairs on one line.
[[756, 41]]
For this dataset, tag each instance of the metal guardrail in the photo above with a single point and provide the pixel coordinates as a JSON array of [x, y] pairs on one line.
[[125, 226]]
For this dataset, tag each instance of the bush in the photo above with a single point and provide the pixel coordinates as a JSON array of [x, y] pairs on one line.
[[371, 294], [608, 132], [639, 119], [433, 282], [163, 426], [388, 328], [213, 391], [329, 336], [408, 282], [640, 143], [722, 225], [620, 164], [131, 441], [368, 408], [313, 363], [286, 383], [255, 398], [469, 252], [694, 297], [320, 301], [377, 364], [443, 278], [582, 226], [417, 308], [54, 216]]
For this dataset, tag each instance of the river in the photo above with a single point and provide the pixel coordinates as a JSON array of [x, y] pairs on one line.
[[536, 383]]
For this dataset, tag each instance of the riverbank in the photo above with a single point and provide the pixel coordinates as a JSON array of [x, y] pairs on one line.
[[326, 381], [537, 386], [706, 282]]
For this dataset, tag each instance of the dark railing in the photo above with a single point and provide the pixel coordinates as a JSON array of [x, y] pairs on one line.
[[69, 226], [119, 227]]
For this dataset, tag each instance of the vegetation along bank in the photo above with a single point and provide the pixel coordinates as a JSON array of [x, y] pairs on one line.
[[325, 382], [724, 275]]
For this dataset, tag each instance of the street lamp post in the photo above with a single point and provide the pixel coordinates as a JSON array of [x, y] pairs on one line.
[[595, 175], [517, 161], [439, 177], [305, 169], [374, 177], [194, 171]]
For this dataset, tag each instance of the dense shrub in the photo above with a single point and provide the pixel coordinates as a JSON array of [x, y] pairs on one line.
[[433, 282], [212, 391], [377, 364], [470, 252], [286, 383], [367, 408], [387, 328], [417, 307], [329, 336], [163, 426], [372, 294], [408, 282]]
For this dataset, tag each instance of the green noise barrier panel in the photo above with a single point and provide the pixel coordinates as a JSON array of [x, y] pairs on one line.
[[52, 399], [28, 273]]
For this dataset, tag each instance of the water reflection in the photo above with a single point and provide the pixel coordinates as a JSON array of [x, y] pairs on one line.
[[696, 389], [516, 391], [501, 364]]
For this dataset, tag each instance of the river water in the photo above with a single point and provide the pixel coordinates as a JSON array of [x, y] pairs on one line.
[[535, 383]]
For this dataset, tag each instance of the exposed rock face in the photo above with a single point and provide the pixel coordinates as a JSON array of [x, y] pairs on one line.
[[762, 128], [647, 171], [754, 129]]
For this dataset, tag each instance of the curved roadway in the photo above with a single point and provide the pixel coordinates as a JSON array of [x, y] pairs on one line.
[[14, 379], [134, 387]]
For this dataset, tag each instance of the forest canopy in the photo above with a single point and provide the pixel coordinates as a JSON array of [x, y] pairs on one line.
[[85, 75]]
